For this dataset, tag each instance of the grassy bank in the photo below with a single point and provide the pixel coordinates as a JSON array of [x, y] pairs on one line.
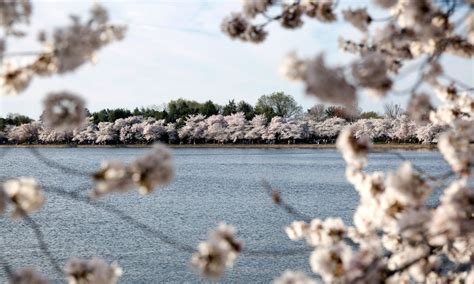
[[236, 146]]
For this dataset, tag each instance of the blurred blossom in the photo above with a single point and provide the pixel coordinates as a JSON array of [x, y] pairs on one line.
[[25, 194], [419, 108], [217, 253], [252, 8], [63, 110], [27, 276], [292, 67], [154, 169], [322, 10], [14, 79], [112, 177], [294, 277], [453, 218], [255, 34], [371, 73], [93, 271], [456, 151], [13, 13], [291, 16], [65, 50], [406, 186], [328, 84], [234, 25], [354, 151], [359, 18]]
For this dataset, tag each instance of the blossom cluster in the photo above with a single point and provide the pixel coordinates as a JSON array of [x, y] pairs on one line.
[[397, 235], [24, 193], [217, 253], [146, 173], [77, 271], [65, 50]]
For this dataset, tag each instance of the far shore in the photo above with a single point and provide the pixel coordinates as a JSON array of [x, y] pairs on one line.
[[388, 146]]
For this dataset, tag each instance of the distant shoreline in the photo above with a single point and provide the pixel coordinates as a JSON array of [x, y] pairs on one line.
[[388, 146]]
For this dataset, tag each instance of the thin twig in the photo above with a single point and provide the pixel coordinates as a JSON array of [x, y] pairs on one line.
[[53, 164], [7, 268], [160, 235], [42, 242], [276, 197], [130, 220]]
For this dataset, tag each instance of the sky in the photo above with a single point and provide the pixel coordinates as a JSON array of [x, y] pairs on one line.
[[175, 49]]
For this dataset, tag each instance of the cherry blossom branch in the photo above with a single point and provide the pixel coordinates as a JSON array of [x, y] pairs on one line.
[[277, 200], [7, 268], [42, 242], [23, 53], [53, 164], [456, 81], [130, 220], [160, 235]]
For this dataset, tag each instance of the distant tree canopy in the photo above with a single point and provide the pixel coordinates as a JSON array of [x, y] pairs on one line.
[[369, 114], [277, 104], [177, 111], [13, 119], [111, 115]]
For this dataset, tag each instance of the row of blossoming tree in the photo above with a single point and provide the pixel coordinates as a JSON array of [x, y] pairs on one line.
[[233, 128]]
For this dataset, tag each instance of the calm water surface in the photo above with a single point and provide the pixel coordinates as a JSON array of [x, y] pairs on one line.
[[212, 185]]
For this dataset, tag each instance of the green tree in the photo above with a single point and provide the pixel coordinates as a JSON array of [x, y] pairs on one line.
[[247, 109], [181, 108], [277, 104], [209, 108], [229, 108], [369, 114]]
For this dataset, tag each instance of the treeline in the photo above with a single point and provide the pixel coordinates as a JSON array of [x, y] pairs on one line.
[[233, 128], [275, 118], [276, 104], [177, 111]]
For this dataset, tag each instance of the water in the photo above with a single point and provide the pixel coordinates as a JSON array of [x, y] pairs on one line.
[[212, 185]]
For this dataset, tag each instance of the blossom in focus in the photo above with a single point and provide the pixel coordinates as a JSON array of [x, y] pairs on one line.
[[294, 277], [331, 262], [354, 151], [359, 18], [297, 230], [27, 276], [217, 253], [64, 110], [93, 271], [154, 169], [25, 194]]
